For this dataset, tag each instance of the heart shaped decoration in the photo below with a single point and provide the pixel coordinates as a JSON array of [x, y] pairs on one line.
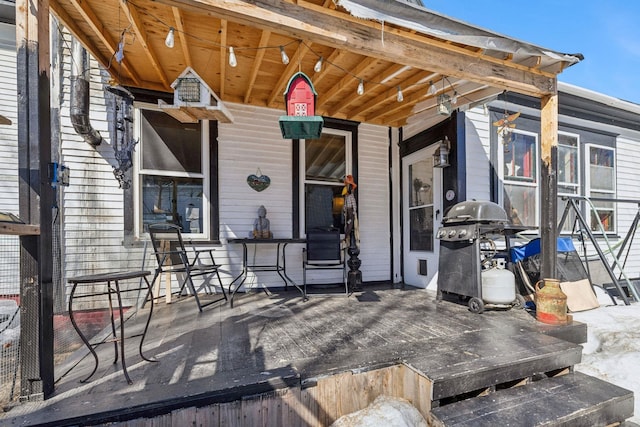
[[258, 183]]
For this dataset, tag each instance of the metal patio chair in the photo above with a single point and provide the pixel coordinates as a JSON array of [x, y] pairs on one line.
[[172, 258], [324, 251]]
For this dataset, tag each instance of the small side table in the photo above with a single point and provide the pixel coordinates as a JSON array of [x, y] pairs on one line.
[[112, 287]]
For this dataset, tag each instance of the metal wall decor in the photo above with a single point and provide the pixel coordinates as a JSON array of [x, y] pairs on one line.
[[258, 181]]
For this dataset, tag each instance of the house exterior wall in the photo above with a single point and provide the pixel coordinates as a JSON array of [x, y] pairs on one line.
[[477, 128], [478, 134], [9, 245], [253, 144]]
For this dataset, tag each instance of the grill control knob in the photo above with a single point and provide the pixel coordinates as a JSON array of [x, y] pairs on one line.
[[441, 234], [452, 233], [462, 233]]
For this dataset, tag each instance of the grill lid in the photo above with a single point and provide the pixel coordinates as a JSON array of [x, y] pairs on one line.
[[477, 212]]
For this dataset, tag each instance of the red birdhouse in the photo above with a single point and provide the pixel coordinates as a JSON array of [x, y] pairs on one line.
[[300, 96], [300, 99]]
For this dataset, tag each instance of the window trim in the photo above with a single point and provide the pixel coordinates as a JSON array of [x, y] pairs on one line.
[[587, 185], [303, 176], [209, 175], [296, 182], [517, 182]]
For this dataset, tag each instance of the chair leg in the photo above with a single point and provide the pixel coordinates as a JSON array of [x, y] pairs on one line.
[[221, 286], [155, 291]]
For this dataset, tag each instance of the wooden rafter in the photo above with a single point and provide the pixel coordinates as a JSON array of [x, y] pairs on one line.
[[278, 88], [323, 25], [73, 27], [179, 19], [348, 81], [223, 55], [101, 33], [141, 35], [391, 93], [257, 63]]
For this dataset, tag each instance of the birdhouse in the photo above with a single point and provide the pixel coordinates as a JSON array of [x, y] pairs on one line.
[[193, 100], [300, 100]]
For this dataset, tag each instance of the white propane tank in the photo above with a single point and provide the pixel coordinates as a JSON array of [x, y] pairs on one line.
[[498, 286]]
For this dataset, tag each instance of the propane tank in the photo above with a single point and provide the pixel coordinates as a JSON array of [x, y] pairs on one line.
[[498, 285]]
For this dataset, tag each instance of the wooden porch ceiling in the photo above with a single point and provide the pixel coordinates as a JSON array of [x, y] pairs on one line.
[[384, 57]]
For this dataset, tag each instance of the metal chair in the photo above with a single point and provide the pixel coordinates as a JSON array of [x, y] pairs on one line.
[[172, 257], [324, 251]]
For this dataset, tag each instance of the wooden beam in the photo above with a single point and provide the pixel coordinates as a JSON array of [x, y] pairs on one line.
[[79, 34], [348, 81], [548, 185], [186, 53], [294, 64], [101, 33], [141, 34], [223, 56], [391, 93], [323, 25], [257, 63]]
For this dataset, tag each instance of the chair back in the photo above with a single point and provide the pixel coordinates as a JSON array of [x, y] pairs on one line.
[[323, 245], [167, 243]]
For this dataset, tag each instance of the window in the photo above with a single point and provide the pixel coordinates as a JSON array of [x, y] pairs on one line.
[[520, 177], [568, 174], [326, 161], [173, 180], [601, 184]]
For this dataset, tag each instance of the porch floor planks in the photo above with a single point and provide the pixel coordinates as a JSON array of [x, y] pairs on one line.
[[575, 399], [265, 343]]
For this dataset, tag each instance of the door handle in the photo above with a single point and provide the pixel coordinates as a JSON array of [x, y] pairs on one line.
[[437, 213]]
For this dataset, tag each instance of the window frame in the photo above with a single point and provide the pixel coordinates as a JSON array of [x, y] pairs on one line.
[[535, 183], [589, 189], [302, 168], [568, 225], [208, 174]]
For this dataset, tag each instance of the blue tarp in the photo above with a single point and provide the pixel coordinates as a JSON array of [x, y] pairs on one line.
[[519, 253]]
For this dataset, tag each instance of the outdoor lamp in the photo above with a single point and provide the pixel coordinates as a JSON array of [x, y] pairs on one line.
[[441, 156]]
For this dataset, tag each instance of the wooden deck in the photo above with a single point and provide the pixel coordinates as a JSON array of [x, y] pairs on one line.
[[268, 343]]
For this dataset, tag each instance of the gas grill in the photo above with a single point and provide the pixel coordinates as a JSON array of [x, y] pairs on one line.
[[467, 246]]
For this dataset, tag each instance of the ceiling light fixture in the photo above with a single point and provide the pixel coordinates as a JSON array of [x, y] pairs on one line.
[[233, 61], [454, 100], [283, 54], [169, 41], [318, 67], [400, 97], [360, 90]]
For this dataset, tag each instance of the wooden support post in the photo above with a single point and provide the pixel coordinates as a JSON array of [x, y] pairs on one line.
[[36, 199], [548, 185]]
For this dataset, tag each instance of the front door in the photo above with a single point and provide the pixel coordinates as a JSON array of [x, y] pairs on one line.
[[422, 209]]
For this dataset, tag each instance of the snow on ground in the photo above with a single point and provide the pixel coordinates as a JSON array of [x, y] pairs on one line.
[[612, 350]]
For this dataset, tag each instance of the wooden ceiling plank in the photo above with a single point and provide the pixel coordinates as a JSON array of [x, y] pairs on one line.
[[223, 56], [141, 34], [98, 28], [391, 93], [334, 58], [294, 63], [318, 24], [348, 81], [180, 28], [75, 30], [257, 63]]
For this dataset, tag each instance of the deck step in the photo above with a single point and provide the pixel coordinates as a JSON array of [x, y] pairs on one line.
[[492, 360], [575, 399]]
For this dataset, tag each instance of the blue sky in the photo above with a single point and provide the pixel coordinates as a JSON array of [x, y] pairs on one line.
[[607, 33]]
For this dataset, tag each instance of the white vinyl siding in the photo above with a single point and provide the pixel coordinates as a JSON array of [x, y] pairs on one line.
[[477, 146]]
